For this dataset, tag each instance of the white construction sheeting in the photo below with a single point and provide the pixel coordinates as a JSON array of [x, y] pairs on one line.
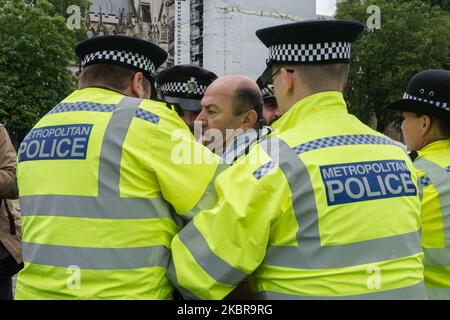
[[182, 32], [229, 41]]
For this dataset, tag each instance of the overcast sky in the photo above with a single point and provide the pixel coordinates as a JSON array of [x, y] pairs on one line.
[[326, 7]]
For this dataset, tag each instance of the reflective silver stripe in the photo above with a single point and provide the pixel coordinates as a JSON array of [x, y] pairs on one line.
[[217, 268], [172, 275], [310, 254], [439, 178], [441, 182], [438, 257], [415, 292], [93, 207], [111, 153], [96, 258], [438, 293], [209, 197]]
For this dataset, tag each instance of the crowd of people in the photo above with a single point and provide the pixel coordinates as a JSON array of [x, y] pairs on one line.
[[281, 194]]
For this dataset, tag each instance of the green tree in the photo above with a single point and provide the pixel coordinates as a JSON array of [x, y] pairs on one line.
[[444, 4], [413, 37], [35, 50], [60, 8]]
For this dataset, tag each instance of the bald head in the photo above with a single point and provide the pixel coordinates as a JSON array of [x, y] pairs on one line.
[[229, 84], [242, 90]]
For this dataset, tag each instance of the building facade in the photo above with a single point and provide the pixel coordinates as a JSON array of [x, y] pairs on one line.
[[216, 34], [229, 41], [151, 20]]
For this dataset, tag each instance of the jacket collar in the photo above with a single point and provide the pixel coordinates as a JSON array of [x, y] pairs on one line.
[[438, 145], [99, 89], [319, 102], [238, 145]]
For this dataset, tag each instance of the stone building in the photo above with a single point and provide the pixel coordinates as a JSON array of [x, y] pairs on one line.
[[151, 20]]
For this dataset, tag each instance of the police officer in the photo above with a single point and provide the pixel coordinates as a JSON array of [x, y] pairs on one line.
[[185, 85], [426, 129], [271, 112], [99, 179], [330, 208]]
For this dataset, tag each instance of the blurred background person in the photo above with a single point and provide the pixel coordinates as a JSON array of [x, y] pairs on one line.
[[10, 228], [184, 86], [271, 112]]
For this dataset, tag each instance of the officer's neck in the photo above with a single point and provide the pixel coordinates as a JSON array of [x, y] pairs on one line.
[[432, 135], [301, 92], [128, 92]]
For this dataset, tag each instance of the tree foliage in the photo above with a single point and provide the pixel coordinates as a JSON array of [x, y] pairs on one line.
[[414, 36], [444, 4], [36, 48], [60, 8]]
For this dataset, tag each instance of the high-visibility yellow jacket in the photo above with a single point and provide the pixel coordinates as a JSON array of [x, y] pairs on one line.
[[433, 163], [101, 177], [323, 208]]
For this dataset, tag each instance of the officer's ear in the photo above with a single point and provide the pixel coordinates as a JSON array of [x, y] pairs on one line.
[[432, 128], [287, 78], [426, 123], [138, 86]]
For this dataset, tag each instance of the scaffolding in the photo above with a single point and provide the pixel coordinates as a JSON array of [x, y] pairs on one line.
[[196, 36]]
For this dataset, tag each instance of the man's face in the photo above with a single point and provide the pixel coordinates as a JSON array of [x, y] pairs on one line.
[[271, 112], [412, 131], [217, 111], [189, 118]]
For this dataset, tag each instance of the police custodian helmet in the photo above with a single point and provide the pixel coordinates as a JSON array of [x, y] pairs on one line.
[[428, 92]]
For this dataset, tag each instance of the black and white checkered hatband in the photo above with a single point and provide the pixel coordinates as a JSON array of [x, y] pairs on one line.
[[316, 52], [187, 88], [132, 59], [439, 104]]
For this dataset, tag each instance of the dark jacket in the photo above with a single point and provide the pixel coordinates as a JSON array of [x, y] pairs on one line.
[[10, 227]]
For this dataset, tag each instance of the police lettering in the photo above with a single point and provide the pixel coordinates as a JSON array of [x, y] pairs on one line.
[[346, 183], [56, 143]]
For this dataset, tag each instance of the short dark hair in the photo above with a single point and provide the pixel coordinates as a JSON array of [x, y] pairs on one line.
[[109, 75], [246, 99], [322, 77], [270, 100], [443, 126]]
